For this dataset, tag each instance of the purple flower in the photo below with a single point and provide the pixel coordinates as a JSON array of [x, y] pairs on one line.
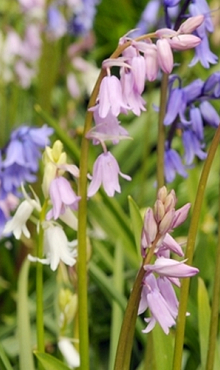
[[173, 165], [57, 25], [21, 156], [176, 105], [192, 147], [83, 18], [196, 122], [203, 54], [148, 18], [212, 86], [161, 311], [209, 114], [62, 196], [106, 171], [193, 90], [131, 96]]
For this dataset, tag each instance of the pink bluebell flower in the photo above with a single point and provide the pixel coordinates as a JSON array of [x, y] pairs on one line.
[[106, 171], [62, 196]]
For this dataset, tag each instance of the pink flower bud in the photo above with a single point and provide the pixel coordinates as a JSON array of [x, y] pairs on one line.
[[164, 55], [170, 201], [138, 71], [167, 222], [159, 210], [162, 194], [191, 24], [151, 62], [184, 42], [150, 225]]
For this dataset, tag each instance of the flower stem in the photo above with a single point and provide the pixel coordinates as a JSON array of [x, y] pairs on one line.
[[215, 304], [39, 287], [125, 343], [184, 291], [161, 131]]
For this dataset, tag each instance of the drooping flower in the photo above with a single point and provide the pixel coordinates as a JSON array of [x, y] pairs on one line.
[[17, 225], [106, 171], [62, 196], [56, 248]]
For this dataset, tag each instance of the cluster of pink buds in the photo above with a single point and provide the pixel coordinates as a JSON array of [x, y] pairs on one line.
[[157, 292], [140, 61]]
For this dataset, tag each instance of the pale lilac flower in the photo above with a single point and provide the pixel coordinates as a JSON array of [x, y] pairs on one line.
[[106, 171], [191, 24], [165, 55], [131, 96], [171, 268], [57, 25], [56, 248], [107, 128], [110, 97], [62, 196], [160, 309], [138, 71], [148, 18]]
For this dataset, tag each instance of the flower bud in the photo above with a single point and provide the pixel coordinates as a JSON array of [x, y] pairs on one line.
[[167, 222], [184, 42], [180, 215], [159, 210], [164, 55], [170, 201], [162, 194], [191, 24]]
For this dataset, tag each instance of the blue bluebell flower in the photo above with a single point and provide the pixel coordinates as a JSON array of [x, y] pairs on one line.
[[193, 147], [83, 19], [20, 157], [173, 165]]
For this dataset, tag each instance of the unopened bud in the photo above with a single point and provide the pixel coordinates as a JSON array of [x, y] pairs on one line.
[[162, 194], [159, 210], [191, 24], [170, 201], [167, 222], [180, 215]]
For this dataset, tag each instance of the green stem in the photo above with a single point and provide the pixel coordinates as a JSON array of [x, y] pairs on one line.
[[125, 343], [161, 131], [215, 304], [39, 287], [177, 360]]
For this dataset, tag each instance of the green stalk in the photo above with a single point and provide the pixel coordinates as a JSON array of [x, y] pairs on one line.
[[39, 287], [184, 291], [161, 131], [215, 305], [125, 343]]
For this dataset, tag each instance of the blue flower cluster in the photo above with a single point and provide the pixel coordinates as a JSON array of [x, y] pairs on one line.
[[189, 110], [19, 164]]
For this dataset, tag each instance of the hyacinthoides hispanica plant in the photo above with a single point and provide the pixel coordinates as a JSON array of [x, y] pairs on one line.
[[137, 58]]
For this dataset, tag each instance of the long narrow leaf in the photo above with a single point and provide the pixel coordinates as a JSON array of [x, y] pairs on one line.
[[4, 361], [49, 362]]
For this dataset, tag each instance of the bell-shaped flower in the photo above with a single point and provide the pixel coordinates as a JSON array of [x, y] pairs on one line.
[[204, 55], [56, 248], [62, 196], [106, 171], [160, 310], [110, 97], [132, 97], [175, 105], [173, 165], [209, 114], [192, 147], [17, 225], [171, 268]]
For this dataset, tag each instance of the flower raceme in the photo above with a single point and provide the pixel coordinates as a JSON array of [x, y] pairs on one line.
[[157, 292], [139, 61]]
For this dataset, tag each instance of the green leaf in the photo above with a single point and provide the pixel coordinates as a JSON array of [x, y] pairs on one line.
[[165, 344], [49, 362], [136, 221], [24, 330], [4, 361]]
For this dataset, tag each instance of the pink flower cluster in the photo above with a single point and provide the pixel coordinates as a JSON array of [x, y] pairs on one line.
[[157, 292], [140, 61]]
